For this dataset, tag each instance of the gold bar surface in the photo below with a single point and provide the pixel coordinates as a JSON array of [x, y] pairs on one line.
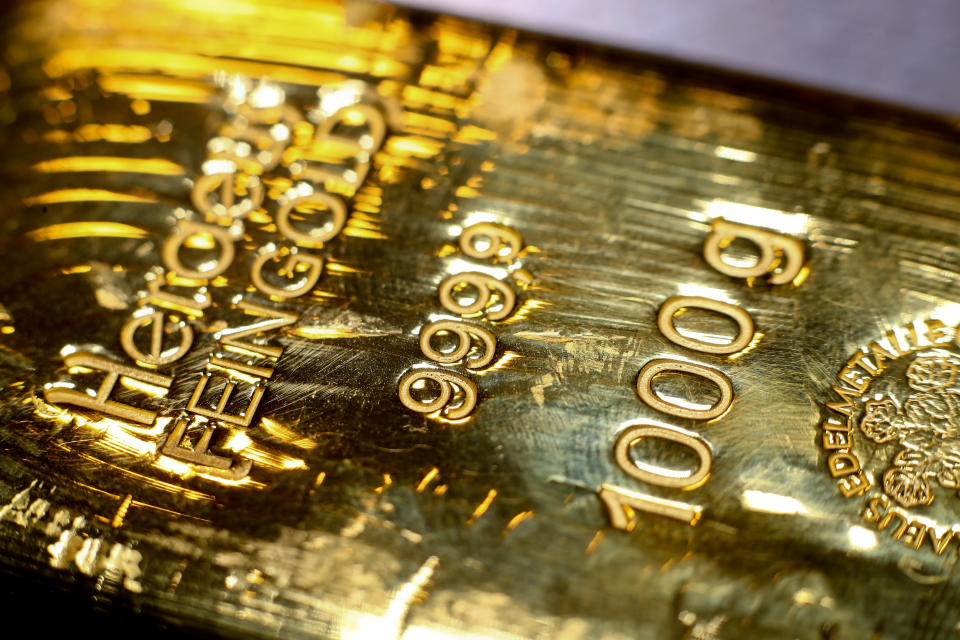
[[337, 320]]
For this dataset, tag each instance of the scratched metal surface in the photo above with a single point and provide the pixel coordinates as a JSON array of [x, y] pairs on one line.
[[361, 518]]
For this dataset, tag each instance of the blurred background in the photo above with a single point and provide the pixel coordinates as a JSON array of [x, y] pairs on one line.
[[901, 51]]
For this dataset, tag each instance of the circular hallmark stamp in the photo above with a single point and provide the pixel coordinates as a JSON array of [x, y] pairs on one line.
[[891, 433]]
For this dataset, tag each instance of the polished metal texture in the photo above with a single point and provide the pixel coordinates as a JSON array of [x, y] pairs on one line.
[[340, 321]]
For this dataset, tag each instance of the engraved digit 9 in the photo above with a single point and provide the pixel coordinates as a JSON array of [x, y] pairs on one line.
[[463, 331], [502, 243], [483, 284], [776, 251], [657, 475], [447, 381]]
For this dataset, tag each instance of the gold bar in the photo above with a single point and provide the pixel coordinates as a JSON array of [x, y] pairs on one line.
[[526, 338]]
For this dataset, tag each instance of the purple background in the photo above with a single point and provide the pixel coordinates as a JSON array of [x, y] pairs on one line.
[[901, 51]]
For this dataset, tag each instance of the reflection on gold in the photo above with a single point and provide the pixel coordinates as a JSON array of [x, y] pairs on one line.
[[116, 438], [453, 78], [355, 232], [781, 221], [70, 164], [80, 268], [339, 267], [446, 250], [247, 482], [418, 97], [861, 538], [594, 541], [168, 464], [459, 265], [483, 506], [427, 479], [121, 439], [233, 372], [369, 194], [158, 88], [198, 67], [772, 503], [747, 349], [529, 305], [360, 208], [387, 481], [85, 230], [689, 289], [428, 125], [517, 519], [277, 461], [83, 195], [505, 359], [333, 333], [129, 133], [696, 485], [472, 134], [288, 436], [146, 480], [143, 387], [186, 471], [731, 153], [466, 192], [416, 146], [543, 336], [240, 443], [439, 417]]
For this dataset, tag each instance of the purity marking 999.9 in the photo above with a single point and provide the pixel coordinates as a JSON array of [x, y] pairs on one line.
[[493, 300]]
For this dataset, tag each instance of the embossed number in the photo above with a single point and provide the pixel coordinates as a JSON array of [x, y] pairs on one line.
[[447, 381], [463, 331], [676, 304], [496, 241], [777, 251], [483, 283], [616, 498], [655, 367], [658, 475], [318, 203]]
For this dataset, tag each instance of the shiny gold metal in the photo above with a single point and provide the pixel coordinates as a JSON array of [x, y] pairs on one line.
[[337, 320]]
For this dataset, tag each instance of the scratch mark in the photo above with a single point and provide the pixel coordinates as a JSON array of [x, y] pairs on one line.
[[482, 507]]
